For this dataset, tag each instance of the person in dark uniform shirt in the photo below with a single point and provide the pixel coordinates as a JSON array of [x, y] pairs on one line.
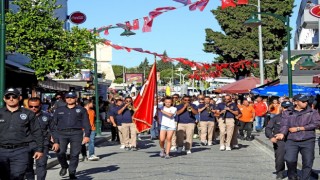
[[298, 127], [48, 128], [271, 130], [70, 120], [18, 128]]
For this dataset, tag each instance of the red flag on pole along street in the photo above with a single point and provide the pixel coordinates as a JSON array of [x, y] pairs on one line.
[[243, 2], [144, 103], [227, 3]]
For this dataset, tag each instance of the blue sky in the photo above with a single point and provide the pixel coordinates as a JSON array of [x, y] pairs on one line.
[[180, 32]]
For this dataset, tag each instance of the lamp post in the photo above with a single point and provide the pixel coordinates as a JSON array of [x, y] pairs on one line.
[[254, 22], [126, 32], [2, 49]]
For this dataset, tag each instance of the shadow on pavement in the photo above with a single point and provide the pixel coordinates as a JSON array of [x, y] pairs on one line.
[[106, 155], [85, 174]]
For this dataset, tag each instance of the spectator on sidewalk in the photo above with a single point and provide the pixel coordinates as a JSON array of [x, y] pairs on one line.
[[260, 109], [298, 128], [246, 120], [272, 129], [274, 108]]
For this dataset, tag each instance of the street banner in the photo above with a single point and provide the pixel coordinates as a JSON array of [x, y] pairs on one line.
[[144, 103]]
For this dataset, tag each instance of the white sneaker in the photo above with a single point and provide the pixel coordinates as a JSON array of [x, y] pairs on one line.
[[179, 150], [122, 146], [93, 158], [236, 146], [189, 152], [209, 144], [222, 148], [173, 148], [228, 148]]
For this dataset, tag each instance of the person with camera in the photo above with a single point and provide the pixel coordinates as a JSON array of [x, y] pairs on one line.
[[128, 128], [227, 111], [298, 128], [186, 123], [271, 130], [48, 128]]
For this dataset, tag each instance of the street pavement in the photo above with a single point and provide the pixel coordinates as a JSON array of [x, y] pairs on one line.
[[253, 161]]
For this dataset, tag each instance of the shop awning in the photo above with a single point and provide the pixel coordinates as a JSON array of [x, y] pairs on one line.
[[19, 67]]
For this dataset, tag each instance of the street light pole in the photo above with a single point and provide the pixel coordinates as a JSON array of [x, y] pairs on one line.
[[2, 50], [261, 61], [96, 92]]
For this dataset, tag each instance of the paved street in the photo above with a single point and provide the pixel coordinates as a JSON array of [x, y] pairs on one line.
[[252, 161]]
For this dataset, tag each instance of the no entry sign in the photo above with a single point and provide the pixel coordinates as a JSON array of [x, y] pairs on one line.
[[77, 17], [315, 11]]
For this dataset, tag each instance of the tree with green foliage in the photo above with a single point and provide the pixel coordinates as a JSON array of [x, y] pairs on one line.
[[34, 32], [238, 42], [118, 71]]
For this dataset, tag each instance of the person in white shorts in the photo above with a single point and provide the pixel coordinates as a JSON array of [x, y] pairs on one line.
[[168, 126]]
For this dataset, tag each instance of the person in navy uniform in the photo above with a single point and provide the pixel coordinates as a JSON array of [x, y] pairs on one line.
[[271, 130], [18, 128], [207, 121], [298, 127], [186, 123], [48, 128], [70, 120]]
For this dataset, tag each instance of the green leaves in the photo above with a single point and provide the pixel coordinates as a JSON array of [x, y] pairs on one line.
[[36, 33]]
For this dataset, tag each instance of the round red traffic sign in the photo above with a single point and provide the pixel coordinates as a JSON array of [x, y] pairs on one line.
[[77, 17], [315, 11]]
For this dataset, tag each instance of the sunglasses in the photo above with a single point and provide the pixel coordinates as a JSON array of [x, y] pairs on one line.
[[128, 101], [34, 107], [186, 99], [7, 97]]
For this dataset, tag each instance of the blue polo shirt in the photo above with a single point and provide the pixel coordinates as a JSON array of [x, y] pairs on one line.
[[126, 115], [186, 116], [204, 115], [114, 113], [228, 114]]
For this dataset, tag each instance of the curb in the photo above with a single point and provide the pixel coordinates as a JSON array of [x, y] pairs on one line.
[[98, 140]]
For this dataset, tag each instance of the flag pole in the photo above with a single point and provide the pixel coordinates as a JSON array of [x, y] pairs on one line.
[[156, 89]]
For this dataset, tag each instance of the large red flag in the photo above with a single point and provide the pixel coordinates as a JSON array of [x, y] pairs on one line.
[[227, 3], [144, 103], [243, 2]]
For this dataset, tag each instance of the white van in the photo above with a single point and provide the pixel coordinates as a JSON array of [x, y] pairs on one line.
[[217, 83]]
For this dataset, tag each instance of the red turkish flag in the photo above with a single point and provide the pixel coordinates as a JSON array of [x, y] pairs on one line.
[[144, 103], [147, 24], [240, 2], [135, 24], [129, 25], [227, 3]]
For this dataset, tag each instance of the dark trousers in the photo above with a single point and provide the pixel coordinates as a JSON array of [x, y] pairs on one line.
[[83, 150], [41, 164], [279, 151], [13, 163], [247, 126], [306, 149], [114, 133], [75, 140]]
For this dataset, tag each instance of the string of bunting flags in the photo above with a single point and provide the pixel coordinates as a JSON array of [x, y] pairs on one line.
[[203, 71], [148, 20]]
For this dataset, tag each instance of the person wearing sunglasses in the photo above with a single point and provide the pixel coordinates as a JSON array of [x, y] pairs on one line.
[[186, 122], [48, 128], [70, 120], [128, 129], [18, 128]]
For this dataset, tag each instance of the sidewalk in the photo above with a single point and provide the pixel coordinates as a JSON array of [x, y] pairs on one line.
[[263, 140], [105, 136]]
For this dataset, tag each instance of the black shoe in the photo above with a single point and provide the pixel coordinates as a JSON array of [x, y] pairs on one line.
[[242, 138], [203, 143], [63, 171], [72, 176], [279, 175], [249, 138]]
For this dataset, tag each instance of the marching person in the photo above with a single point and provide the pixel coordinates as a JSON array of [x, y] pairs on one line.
[[18, 128], [227, 111], [186, 122], [48, 128], [128, 128], [116, 120], [88, 105], [298, 127], [207, 121], [70, 120], [175, 101], [168, 126], [272, 129]]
